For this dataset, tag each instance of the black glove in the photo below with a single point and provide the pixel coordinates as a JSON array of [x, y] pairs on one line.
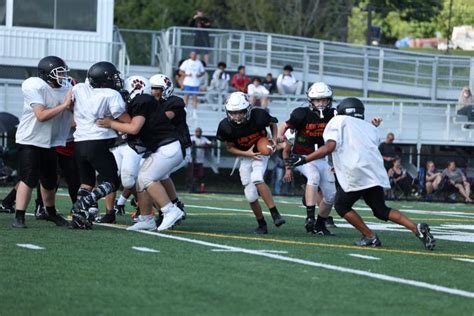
[[295, 160]]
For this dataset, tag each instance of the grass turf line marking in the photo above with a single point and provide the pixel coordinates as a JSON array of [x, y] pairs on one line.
[[362, 256], [465, 260], [266, 251], [30, 246], [371, 275], [145, 249]]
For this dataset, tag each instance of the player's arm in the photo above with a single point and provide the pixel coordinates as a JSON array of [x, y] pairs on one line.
[[298, 160], [131, 128], [281, 131], [44, 114], [274, 130], [288, 169], [237, 152]]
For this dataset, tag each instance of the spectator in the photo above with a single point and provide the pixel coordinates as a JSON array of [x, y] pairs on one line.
[[218, 87], [269, 83], [432, 178], [179, 76], [195, 166], [457, 178], [387, 149], [277, 174], [399, 178], [465, 104], [202, 37], [287, 83], [204, 79], [258, 94], [240, 80], [193, 70]]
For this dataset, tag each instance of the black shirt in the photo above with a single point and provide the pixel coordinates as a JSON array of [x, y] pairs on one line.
[[158, 129], [176, 105], [309, 128], [387, 150], [269, 85], [247, 134]]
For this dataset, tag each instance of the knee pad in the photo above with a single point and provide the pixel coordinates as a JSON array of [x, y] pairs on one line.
[[128, 180], [143, 182], [256, 177], [251, 193], [329, 200], [313, 179]]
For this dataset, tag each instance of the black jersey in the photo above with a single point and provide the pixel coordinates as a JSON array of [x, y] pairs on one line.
[[158, 129], [247, 134], [309, 129], [176, 105]]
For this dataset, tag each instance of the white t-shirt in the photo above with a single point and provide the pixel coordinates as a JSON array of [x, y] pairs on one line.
[[287, 81], [258, 91], [200, 152], [193, 68], [220, 81], [91, 104], [48, 134], [357, 159]]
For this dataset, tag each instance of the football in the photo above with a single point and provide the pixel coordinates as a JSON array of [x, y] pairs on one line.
[[264, 146]]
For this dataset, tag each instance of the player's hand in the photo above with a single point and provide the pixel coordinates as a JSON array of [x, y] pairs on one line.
[[104, 122], [251, 154], [376, 121], [273, 144], [68, 102], [288, 177], [295, 160]]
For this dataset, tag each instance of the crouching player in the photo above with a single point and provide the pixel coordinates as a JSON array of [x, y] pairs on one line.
[[241, 131], [353, 143]]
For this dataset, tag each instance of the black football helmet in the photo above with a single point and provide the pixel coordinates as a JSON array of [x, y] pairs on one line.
[[352, 107], [105, 75], [54, 71]]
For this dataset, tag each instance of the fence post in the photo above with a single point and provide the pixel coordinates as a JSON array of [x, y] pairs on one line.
[[305, 69], [229, 49], [365, 79], [434, 77], [381, 62], [178, 45], [400, 119], [242, 49], [269, 53], [321, 60], [471, 72], [448, 121], [153, 49]]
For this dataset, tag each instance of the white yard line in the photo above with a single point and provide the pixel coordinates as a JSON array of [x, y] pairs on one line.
[[30, 246], [363, 256], [368, 274], [464, 259], [266, 251], [145, 249]]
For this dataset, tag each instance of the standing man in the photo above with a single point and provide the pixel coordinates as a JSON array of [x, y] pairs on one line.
[[192, 69], [196, 166], [45, 124], [387, 149], [241, 130], [360, 172]]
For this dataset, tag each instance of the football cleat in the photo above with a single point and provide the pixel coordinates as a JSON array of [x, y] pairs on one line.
[[58, 219], [369, 242], [119, 209], [277, 219], [159, 218], [108, 218], [40, 212], [320, 227], [144, 222], [180, 205], [330, 222], [81, 220], [170, 218], [6, 208], [309, 224], [18, 223], [261, 230], [423, 233]]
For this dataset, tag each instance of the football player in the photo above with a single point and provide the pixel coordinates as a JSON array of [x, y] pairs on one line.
[[241, 130], [360, 172], [309, 123], [151, 132], [44, 124], [98, 97]]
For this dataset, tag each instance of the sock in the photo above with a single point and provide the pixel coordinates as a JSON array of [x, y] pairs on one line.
[[310, 210], [10, 198], [273, 210], [51, 210], [167, 208], [175, 201], [261, 222], [121, 200], [20, 214], [99, 192]]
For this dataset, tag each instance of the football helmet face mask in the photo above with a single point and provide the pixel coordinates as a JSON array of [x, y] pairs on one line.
[[105, 75], [352, 107], [54, 71], [238, 108], [136, 85], [320, 98], [164, 83]]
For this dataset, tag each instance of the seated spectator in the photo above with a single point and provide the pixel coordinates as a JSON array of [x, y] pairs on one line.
[[387, 149], [258, 94], [287, 83], [432, 178], [465, 104], [399, 178], [240, 80], [457, 179], [269, 83], [219, 86]]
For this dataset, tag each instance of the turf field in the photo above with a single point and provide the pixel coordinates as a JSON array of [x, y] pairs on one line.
[[213, 264]]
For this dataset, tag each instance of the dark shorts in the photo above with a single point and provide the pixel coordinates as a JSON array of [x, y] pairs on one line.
[[92, 156], [374, 197], [38, 164]]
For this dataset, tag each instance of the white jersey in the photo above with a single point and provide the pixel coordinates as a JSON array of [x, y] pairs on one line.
[[200, 151], [357, 159], [192, 68], [91, 104], [50, 133], [257, 91]]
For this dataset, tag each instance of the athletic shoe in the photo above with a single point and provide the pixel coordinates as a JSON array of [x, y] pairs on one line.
[[119, 209], [40, 212], [108, 218], [277, 219], [261, 230], [330, 222], [309, 224], [159, 219], [170, 218], [423, 233], [81, 220], [320, 227], [6, 208], [144, 222], [57, 219], [18, 223], [180, 205], [369, 242]]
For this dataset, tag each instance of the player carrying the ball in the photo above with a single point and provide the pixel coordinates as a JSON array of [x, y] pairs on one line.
[[243, 127]]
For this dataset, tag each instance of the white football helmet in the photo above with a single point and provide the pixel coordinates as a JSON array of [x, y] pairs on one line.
[[316, 93], [163, 82], [136, 85], [238, 108]]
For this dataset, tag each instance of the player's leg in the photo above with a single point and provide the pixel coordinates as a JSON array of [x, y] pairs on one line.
[[69, 170], [328, 189], [7, 204], [310, 172]]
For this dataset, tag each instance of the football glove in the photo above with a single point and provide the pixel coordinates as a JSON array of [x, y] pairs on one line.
[[295, 160]]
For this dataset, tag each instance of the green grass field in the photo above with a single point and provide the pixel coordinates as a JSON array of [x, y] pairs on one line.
[[213, 264]]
